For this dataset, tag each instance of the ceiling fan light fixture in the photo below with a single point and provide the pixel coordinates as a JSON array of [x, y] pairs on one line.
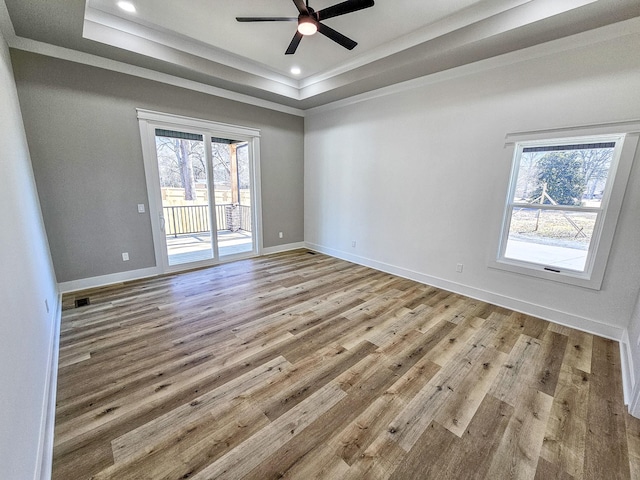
[[306, 26], [310, 21]]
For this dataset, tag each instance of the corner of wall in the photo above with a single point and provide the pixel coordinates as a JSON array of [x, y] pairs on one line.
[[283, 248]]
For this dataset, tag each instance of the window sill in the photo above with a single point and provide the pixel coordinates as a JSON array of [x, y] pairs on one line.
[[570, 277]]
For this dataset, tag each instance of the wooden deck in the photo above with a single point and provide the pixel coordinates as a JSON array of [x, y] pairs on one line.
[[197, 246], [302, 366]]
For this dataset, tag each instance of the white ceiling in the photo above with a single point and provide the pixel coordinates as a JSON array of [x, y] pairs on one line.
[[212, 23], [398, 40]]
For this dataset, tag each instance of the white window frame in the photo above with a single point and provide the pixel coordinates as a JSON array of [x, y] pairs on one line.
[[626, 135]]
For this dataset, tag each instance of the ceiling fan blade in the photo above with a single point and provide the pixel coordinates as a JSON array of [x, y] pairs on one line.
[[301, 6], [343, 8], [293, 46], [267, 19], [337, 37]]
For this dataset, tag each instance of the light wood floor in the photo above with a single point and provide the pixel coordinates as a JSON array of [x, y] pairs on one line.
[[302, 366]]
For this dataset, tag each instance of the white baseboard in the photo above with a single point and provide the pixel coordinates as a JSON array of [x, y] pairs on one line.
[[540, 311], [283, 248], [105, 280], [626, 365], [45, 449]]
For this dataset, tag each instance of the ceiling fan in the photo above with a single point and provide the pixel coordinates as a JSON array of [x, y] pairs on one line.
[[309, 21]]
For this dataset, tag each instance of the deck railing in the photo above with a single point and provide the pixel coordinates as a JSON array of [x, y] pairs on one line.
[[182, 220], [245, 218]]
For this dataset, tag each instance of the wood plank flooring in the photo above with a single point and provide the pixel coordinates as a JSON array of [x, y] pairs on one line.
[[302, 366]]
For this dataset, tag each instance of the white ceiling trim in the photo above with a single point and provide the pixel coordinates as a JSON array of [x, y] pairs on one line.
[[33, 46], [625, 28], [429, 32], [628, 27], [62, 53], [525, 14], [149, 47], [105, 28], [476, 23], [94, 17]]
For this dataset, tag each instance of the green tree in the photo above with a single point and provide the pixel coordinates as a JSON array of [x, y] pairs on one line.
[[563, 175]]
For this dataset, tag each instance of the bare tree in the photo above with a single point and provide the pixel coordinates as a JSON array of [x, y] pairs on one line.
[[595, 167], [221, 157], [186, 169], [181, 163], [527, 174], [244, 177]]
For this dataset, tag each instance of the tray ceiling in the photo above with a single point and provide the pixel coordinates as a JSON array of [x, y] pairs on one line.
[[398, 40]]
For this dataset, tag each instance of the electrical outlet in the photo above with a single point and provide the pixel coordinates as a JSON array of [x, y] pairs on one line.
[[141, 208], [459, 267], [280, 234], [125, 256], [353, 243]]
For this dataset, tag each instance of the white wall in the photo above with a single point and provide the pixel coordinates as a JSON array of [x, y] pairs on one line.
[[418, 177], [633, 361], [26, 281]]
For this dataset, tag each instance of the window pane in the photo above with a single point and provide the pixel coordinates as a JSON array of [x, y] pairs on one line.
[[550, 237], [233, 195], [185, 196], [571, 175]]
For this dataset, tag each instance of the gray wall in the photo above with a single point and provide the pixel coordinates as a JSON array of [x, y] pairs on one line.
[[26, 281], [85, 147]]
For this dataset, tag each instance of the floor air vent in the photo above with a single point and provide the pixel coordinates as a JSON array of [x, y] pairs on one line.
[[82, 302]]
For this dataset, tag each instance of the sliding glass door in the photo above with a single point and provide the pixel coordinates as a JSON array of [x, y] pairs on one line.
[[185, 196], [202, 195], [232, 185]]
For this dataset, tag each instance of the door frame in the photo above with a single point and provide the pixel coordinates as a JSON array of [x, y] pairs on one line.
[[148, 121]]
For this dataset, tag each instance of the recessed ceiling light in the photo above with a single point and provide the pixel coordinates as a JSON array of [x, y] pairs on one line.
[[127, 7], [296, 70]]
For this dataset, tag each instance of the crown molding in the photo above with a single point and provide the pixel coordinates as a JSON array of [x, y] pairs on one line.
[[622, 29], [104, 27], [62, 53], [489, 28], [451, 36], [470, 25], [191, 59], [429, 32]]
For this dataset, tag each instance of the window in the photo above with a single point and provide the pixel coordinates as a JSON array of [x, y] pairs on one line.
[[563, 202]]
